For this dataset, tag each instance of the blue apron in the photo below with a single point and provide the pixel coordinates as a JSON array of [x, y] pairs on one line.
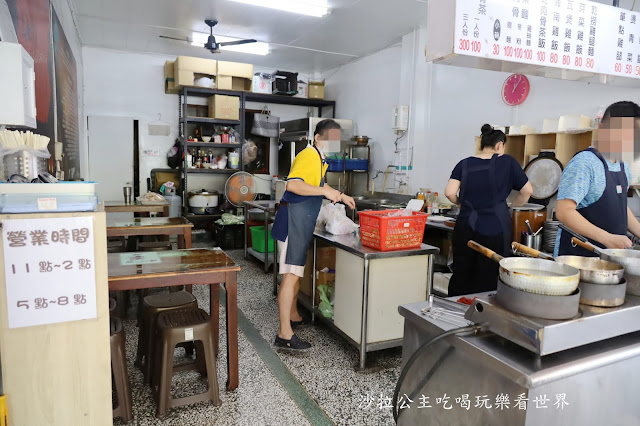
[[498, 207], [296, 219], [608, 213]]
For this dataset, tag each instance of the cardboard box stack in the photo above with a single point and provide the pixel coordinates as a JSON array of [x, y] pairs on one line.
[[234, 76], [187, 69], [224, 107]]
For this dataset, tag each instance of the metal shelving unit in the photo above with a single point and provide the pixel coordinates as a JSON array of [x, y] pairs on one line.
[[185, 120], [245, 97]]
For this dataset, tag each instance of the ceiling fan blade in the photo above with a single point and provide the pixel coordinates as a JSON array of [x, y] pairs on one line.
[[235, 43], [173, 38]]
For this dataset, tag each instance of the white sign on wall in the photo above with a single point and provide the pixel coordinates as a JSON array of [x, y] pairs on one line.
[[570, 34], [49, 270]]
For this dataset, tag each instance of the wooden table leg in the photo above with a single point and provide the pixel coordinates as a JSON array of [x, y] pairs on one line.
[[232, 329], [184, 242], [214, 309], [165, 210]]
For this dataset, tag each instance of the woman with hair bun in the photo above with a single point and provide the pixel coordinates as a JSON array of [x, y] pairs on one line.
[[480, 185]]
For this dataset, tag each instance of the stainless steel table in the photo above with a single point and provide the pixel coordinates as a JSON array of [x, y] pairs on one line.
[[269, 210], [599, 380], [352, 244]]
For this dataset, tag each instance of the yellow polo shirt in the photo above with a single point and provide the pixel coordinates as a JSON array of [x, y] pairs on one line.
[[308, 167]]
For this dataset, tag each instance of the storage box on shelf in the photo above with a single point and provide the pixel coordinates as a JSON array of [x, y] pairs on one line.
[[186, 68], [285, 83], [262, 83], [229, 237], [169, 78], [224, 107], [316, 89], [234, 76]]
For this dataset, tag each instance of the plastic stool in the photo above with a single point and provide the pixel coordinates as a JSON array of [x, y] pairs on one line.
[[152, 306], [124, 408], [174, 327]]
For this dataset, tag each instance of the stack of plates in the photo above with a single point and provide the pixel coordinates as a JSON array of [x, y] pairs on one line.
[[549, 234]]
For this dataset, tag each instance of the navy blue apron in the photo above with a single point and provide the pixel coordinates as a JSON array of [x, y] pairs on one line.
[[498, 207], [608, 213], [296, 219]]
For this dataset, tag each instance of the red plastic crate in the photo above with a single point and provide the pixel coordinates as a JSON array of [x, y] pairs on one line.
[[381, 232]]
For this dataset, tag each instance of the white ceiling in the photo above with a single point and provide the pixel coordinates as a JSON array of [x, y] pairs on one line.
[[355, 28]]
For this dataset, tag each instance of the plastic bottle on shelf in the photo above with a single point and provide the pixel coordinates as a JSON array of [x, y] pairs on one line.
[[435, 207], [189, 159], [429, 203]]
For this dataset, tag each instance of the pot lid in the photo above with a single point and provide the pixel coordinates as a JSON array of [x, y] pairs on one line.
[[545, 174], [203, 192]]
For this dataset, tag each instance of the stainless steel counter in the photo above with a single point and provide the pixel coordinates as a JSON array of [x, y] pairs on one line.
[[599, 379], [352, 244]]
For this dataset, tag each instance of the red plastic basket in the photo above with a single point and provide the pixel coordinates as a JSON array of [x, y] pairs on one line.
[[380, 231]]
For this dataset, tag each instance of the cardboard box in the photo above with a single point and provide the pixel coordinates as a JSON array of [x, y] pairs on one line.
[[324, 278], [316, 89], [326, 258], [224, 107], [303, 89], [169, 80], [234, 76], [262, 83], [186, 67]]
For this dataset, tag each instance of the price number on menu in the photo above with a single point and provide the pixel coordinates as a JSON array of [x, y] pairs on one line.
[[469, 46]]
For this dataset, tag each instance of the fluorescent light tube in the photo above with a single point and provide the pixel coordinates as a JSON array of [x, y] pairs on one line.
[[258, 48], [317, 8]]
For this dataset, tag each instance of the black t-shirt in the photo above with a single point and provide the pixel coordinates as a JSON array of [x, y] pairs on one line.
[[477, 186]]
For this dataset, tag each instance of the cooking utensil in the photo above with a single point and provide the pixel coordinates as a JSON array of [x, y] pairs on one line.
[[526, 222], [127, 191], [361, 140], [592, 269], [629, 259], [544, 173], [532, 240], [603, 295], [538, 305], [203, 199], [533, 275]]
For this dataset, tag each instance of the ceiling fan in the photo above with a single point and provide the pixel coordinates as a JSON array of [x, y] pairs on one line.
[[211, 44]]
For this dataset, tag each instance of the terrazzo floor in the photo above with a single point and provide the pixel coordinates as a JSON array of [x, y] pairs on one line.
[[326, 373]]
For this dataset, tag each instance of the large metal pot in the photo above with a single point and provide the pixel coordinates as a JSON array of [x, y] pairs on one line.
[[629, 259], [592, 269], [538, 276], [361, 140], [203, 199]]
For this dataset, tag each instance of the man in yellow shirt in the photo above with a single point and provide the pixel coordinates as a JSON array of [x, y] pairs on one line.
[[295, 222]]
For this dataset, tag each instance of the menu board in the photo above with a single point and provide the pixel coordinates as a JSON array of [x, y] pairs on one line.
[[570, 34], [49, 270]]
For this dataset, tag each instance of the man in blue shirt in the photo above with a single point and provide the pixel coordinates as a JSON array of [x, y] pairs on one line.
[[592, 198]]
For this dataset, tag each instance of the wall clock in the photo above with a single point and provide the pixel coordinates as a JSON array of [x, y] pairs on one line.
[[515, 89]]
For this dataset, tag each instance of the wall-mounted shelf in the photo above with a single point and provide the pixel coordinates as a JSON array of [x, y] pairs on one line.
[[206, 120], [213, 171], [213, 145]]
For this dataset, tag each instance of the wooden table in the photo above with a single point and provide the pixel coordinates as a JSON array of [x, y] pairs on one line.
[[152, 226], [186, 267], [136, 207]]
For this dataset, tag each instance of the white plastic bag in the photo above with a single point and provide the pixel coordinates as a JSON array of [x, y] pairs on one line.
[[335, 220]]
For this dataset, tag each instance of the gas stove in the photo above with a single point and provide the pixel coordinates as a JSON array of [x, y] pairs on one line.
[[544, 337]]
